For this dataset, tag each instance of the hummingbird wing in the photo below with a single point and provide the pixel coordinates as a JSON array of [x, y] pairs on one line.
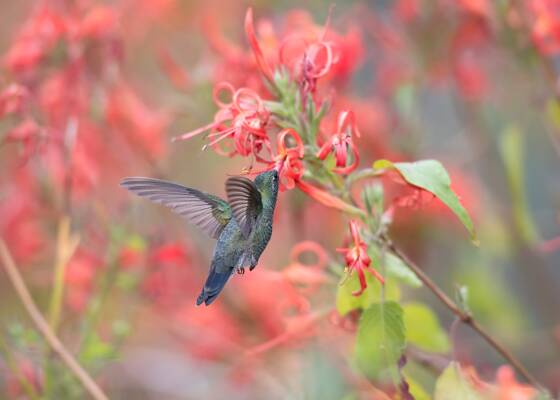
[[208, 212], [245, 201]]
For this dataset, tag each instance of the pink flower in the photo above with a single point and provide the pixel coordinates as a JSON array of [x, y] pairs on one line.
[[244, 120], [357, 259]]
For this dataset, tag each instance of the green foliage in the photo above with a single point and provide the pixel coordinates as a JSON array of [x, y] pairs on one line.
[[380, 340], [431, 176], [346, 301], [423, 328], [395, 267], [416, 389], [453, 385], [511, 147], [97, 350]]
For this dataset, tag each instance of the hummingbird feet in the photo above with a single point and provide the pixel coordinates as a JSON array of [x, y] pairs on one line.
[[240, 270], [253, 263]]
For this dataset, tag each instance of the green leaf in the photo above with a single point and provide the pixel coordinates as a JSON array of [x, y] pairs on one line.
[[430, 175], [416, 390], [395, 267], [453, 385], [346, 301], [423, 328], [96, 350], [380, 340], [511, 148]]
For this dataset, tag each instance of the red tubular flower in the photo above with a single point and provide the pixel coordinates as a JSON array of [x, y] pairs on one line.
[[309, 60], [288, 162], [340, 142], [244, 120], [357, 259], [259, 56]]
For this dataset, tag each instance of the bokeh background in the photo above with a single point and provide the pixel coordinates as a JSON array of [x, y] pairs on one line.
[[473, 84]]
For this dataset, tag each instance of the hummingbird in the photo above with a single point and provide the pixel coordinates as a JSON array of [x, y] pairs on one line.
[[242, 224]]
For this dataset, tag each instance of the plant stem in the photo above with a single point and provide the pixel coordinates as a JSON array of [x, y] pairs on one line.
[[466, 318], [43, 327], [66, 246]]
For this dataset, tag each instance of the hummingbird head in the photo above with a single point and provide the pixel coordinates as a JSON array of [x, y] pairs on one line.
[[267, 183]]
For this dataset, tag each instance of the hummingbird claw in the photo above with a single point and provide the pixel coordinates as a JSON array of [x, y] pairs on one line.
[[241, 270]]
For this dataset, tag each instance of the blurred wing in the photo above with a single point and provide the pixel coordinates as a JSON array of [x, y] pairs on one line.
[[210, 213], [245, 201]]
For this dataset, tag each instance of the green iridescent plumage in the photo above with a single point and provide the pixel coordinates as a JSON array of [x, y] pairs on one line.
[[242, 225]]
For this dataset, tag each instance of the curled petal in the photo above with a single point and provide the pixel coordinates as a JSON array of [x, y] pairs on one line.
[[282, 142], [311, 247], [218, 89], [320, 57], [246, 99], [253, 42]]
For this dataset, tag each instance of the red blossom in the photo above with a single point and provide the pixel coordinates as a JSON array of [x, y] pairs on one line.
[[12, 99], [508, 388], [309, 276], [38, 36], [357, 259], [262, 64], [174, 72], [340, 142], [244, 120], [79, 277], [289, 160], [546, 25], [138, 123]]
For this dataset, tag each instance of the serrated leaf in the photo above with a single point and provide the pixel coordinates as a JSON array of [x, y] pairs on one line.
[[431, 176], [395, 267], [423, 328], [380, 340], [346, 301], [453, 385]]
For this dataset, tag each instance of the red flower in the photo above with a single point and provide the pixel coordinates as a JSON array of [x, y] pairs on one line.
[[79, 277], [137, 122], [259, 56], [340, 142], [244, 120], [289, 162], [546, 25], [12, 99], [357, 259], [37, 38]]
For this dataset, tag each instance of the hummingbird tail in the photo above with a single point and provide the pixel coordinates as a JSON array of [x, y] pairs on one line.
[[213, 286]]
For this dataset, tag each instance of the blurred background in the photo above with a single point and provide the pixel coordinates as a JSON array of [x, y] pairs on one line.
[[93, 91]]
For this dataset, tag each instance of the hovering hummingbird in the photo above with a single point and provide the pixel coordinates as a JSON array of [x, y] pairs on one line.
[[242, 225]]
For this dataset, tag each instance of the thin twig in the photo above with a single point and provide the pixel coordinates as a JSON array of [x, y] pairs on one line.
[[24, 296], [467, 318]]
